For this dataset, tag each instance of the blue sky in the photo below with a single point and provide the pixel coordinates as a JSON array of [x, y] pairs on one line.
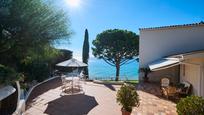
[[100, 15]]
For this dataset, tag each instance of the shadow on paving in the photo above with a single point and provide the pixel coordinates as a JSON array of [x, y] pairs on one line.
[[110, 87], [154, 89], [71, 105]]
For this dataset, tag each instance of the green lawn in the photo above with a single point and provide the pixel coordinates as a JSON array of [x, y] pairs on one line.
[[134, 82]]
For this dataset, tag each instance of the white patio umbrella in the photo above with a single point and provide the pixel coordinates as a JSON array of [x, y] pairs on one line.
[[72, 63]]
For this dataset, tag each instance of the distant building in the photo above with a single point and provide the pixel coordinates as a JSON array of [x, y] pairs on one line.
[[175, 51]]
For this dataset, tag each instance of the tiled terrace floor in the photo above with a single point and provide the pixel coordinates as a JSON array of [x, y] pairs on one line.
[[98, 100]]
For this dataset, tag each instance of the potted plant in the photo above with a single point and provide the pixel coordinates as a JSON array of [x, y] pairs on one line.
[[146, 71], [127, 97]]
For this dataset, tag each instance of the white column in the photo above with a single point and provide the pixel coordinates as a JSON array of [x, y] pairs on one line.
[[202, 81], [19, 92], [20, 103]]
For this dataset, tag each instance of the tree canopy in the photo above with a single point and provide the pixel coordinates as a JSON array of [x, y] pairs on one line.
[[30, 25], [28, 29], [116, 47]]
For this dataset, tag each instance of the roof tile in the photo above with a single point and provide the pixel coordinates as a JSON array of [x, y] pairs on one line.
[[174, 26]]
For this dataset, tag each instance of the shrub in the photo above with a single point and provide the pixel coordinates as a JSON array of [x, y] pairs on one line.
[[191, 105], [36, 71], [40, 71], [127, 97], [8, 75]]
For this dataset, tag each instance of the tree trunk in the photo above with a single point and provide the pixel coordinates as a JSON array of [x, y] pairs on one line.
[[117, 71], [145, 77], [86, 72]]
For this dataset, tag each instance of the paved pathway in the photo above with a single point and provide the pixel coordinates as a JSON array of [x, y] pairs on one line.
[[98, 100]]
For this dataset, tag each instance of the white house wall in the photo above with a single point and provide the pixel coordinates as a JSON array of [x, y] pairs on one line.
[[155, 44], [194, 75]]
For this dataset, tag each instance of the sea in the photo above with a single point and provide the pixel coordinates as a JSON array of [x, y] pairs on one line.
[[99, 69]]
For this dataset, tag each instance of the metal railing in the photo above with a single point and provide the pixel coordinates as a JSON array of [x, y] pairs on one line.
[[123, 78]]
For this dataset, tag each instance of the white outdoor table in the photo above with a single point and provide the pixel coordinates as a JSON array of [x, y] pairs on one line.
[[71, 79]]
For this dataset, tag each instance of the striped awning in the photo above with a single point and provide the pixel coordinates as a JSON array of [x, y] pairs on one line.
[[174, 60]]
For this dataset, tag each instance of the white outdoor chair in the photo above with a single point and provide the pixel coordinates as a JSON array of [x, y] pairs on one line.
[[166, 90], [165, 82], [186, 90], [77, 85]]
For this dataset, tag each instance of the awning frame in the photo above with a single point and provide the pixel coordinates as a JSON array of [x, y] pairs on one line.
[[178, 60]]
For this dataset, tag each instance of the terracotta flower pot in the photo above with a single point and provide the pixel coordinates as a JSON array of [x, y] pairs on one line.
[[124, 112]]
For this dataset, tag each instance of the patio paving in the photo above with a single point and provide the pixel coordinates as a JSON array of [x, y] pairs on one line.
[[98, 99]]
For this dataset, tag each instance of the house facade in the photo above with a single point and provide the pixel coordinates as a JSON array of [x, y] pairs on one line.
[[176, 52]]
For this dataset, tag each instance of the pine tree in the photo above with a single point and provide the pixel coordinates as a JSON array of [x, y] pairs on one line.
[[85, 53], [116, 47]]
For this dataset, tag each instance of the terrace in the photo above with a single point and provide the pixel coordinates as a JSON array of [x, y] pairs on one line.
[[98, 99]]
